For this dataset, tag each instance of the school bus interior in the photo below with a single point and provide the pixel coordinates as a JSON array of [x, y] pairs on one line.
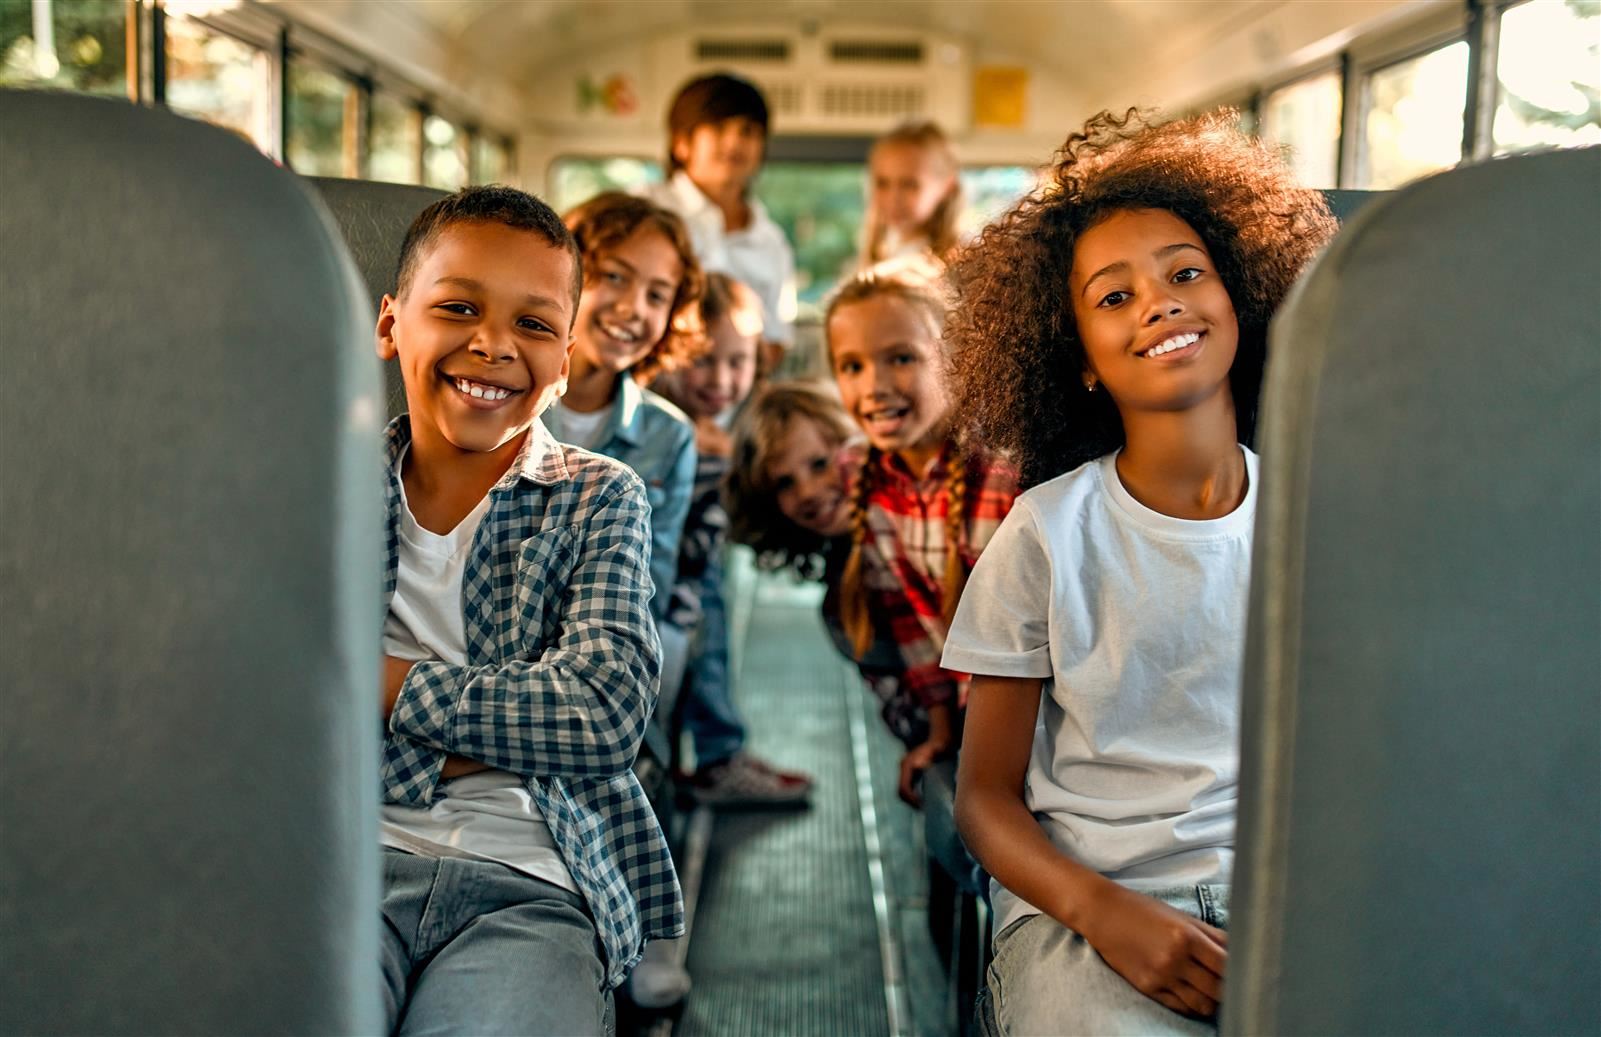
[[189, 581]]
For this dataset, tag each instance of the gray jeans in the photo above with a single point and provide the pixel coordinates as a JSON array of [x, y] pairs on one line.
[[475, 947], [1047, 979]]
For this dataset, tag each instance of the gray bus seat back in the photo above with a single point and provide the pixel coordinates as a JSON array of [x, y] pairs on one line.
[[1418, 846], [374, 218], [191, 586]]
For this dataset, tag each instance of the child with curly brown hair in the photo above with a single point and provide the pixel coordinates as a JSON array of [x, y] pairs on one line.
[[1111, 334], [640, 277], [788, 494], [924, 506]]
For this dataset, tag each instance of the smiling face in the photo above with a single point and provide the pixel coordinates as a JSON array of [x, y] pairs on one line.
[[807, 478], [722, 155], [906, 185], [627, 301], [1155, 318], [722, 376], [887, 363], [482, 334]]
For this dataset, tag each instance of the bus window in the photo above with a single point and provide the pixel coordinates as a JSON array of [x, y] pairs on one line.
[[1548, 76], [65, 45], [492, 160], [221, 79], [444, 160], [394, 141], [1304, 117], [574, 179], [1414, 117], [321, 121]]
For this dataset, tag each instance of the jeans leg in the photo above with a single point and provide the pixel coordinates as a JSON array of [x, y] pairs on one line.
[[522, 957], [408, 884], [707, 710], [1047, 979]]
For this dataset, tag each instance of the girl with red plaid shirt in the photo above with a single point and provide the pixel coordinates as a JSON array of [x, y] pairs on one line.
[[923, 506]]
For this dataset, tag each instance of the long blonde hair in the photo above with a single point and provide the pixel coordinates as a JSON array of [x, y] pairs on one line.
[[926, 301], [941, 226]]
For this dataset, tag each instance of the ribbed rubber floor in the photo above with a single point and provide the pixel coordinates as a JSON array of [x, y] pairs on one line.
[[786, 940]]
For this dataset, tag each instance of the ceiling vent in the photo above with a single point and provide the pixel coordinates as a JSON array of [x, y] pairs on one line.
[[783, 98], [761, 50], [872, 100], [877, 52]]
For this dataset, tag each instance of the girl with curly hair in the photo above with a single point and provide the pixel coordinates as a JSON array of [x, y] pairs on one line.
[[640, 278], [1110, 333], [788, 495], [923, 508]]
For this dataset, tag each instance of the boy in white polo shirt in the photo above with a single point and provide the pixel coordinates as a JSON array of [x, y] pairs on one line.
[[717, 138]]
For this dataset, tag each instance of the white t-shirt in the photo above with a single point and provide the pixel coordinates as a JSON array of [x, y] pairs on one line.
[[488, 815], [1136, 622], [757, 254], [584, 429]]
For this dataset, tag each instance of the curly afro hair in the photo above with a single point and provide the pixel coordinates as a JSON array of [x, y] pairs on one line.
[[1016, 359]]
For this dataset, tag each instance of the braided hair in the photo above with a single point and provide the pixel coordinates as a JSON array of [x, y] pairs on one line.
[[927, 302]]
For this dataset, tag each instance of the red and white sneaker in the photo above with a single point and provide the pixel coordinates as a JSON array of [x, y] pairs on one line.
[[744, 780]]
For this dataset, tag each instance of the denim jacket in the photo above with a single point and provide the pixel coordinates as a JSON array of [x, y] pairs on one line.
[[656, 440], [562, 666]]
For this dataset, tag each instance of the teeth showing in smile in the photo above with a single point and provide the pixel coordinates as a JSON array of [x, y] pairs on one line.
[[1176, 342], [888, 414], [620, 334], [481, 391]]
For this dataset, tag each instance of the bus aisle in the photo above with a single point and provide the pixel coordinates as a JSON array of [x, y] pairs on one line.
[[810, 922]]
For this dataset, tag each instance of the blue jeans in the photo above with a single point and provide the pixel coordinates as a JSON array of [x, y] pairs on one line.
[[1047, 979], [475, 947], [706, 707]]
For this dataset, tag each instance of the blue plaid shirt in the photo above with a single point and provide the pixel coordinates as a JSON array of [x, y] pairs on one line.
[[562, 667]]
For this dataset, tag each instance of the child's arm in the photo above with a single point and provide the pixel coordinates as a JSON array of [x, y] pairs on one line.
[[578, 709], [1164, 953], [667, 521]]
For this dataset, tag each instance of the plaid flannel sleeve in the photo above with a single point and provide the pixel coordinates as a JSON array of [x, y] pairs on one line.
[[579, 709], [922, 676]]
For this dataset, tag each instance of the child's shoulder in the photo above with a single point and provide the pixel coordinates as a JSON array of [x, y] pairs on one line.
[[592, 474], [1070, 491], [661, 416]]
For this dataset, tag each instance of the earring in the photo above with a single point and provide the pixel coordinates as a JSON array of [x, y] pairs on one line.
[[1089, 385]]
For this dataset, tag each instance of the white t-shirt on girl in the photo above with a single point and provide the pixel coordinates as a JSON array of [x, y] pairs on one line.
[[1136, 622], [484, 816]]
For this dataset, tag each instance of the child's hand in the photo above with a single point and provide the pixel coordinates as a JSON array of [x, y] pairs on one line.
[[914, 763], [1168, 956]]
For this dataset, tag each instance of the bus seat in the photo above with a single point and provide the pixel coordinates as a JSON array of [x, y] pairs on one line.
[[374, 218], [958, 898], [190, 590], [1344, 204], [1421, 777]]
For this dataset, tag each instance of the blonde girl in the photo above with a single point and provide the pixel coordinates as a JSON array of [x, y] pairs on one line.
[[914, 199], [922, 507]]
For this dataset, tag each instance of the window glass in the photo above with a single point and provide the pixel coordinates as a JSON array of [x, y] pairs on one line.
[[1549, 68], [321, 131], [225, 81], [65, 45], [573, 179], [444, 158], [1304, 119], [1414, 117], [395, 140], [491, 160], [820, 206], [988, 191]]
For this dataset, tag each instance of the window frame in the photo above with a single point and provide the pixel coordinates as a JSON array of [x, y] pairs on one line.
[[1339, 65], [1364, 71]]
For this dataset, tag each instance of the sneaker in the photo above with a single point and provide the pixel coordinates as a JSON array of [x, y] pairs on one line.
[[744, 780], [659, 980]]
